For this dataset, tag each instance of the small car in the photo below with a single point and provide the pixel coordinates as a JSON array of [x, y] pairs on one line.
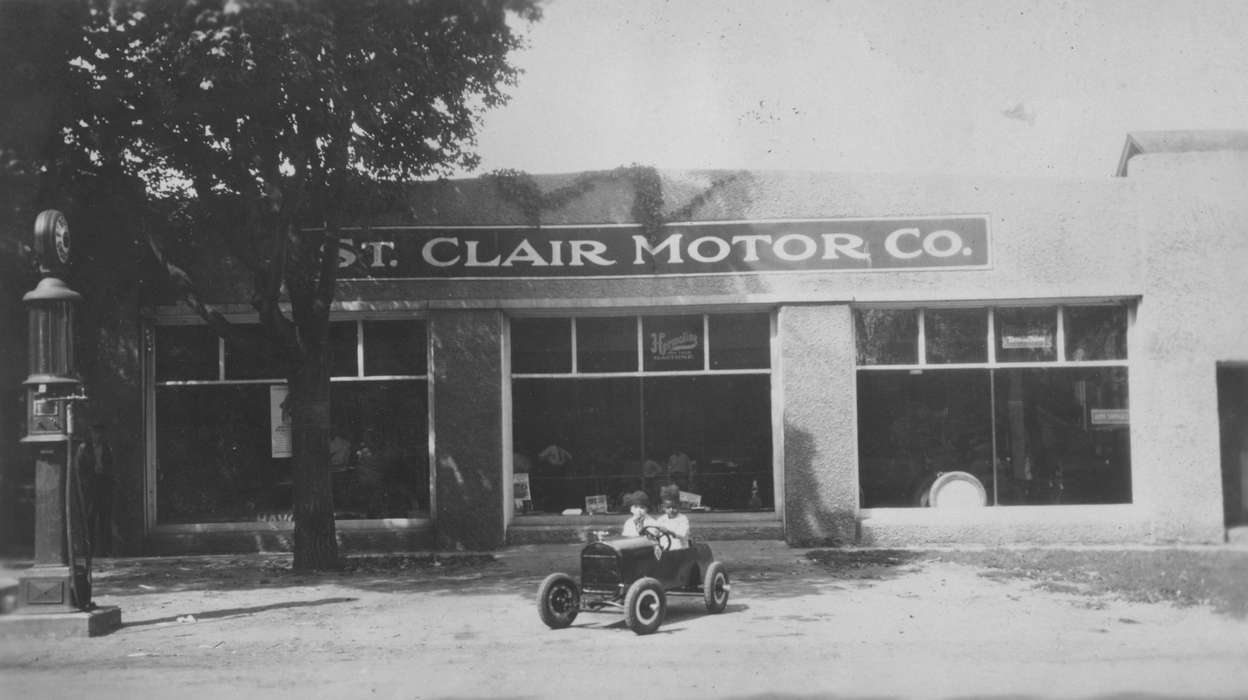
[[634, 575]]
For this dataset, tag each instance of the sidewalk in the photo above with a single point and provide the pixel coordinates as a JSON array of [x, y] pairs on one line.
[[520, 561]]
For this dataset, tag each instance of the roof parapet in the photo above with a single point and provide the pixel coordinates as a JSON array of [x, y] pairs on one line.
[[1181, 141]]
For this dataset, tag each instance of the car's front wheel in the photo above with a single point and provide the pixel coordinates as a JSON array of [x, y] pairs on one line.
[[715, 587], [645, 604], [558, 601]]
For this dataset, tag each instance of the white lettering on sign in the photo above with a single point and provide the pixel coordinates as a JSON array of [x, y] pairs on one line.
[[376, 253], [1033, 341], [427, 251], [846, 244], [449, 251], [678, 347], [680, 248], [671, 244]]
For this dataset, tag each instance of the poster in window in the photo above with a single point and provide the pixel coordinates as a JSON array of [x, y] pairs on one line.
[[520, 493], [596, 504], [279, 420], [673, 343]]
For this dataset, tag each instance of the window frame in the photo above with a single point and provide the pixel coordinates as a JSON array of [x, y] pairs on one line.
[[993, 364], [152, 384], [1061, 359], [639, 369]]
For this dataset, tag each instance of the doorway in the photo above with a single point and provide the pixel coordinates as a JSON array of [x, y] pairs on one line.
[[1233, 423]]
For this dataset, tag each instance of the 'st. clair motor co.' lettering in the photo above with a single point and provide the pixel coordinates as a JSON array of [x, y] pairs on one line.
[[677, 248], [731, 247]]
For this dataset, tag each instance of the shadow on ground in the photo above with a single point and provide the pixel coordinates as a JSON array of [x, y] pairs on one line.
[[237, 612], [468, 574]]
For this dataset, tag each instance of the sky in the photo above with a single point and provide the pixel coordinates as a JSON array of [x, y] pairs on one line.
[[990, 87]]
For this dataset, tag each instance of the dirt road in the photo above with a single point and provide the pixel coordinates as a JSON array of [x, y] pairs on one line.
[[793, 629]]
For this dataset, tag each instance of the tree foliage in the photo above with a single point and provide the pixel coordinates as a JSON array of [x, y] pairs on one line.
[[254, 121]]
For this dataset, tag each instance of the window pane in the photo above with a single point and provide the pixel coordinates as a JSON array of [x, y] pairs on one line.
[[215, 464], [379, 455], [394, 348], [1096, 333], [214, 458], [956, 335], [740, 341], [186, 353], [672, 343], [343, 360], [541, 345], [606, 344], [252, 358], [887, 336], [915, 427], [1026, 334], [1063, 436], [577, 438], [710, 435]]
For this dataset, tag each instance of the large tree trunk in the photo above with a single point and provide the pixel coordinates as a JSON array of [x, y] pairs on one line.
[[316, 544]]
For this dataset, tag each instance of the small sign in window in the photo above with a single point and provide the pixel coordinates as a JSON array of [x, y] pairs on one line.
[[1111, 416]]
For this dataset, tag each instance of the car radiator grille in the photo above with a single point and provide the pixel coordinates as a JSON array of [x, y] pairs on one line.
[[600, 572]]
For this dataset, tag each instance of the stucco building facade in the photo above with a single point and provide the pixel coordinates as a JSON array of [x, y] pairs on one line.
[[846, 359]]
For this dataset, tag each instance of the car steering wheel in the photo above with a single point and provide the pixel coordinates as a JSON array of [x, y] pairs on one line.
[[663, 539]]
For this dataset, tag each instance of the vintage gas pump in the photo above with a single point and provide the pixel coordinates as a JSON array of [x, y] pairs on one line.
[[60, 580]]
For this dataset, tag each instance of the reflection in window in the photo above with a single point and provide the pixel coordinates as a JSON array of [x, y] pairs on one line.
[[186, 353], [343, 349], [251, 356], [956, 335], [1063, 436], [740, 341], [1096, 333], [214, 440], [215, 460], [606, 344], [541, 345], [886, 336], [394, 348]]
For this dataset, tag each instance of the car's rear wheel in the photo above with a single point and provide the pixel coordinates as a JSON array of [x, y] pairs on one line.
[[558, 600], [645, 604], [715, 587]]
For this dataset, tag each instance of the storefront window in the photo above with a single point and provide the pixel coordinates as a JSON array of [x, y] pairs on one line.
[[1027, 334], [220, 451], [887, 336], [1096, 333], [1054, 432], [606, 344], [187, 353], [956, 336], [541, 345], [677, 421]]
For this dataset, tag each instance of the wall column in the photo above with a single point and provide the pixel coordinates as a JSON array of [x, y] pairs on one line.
[[466, 415], [820, 424]]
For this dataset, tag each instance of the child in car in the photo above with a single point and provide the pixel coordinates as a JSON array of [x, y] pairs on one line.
[[639, 504], [673, 522]]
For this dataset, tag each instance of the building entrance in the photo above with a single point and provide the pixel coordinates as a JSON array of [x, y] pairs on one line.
[[1233, 420]]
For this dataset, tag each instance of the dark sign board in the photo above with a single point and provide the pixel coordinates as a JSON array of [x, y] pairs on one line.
[[700, 248]]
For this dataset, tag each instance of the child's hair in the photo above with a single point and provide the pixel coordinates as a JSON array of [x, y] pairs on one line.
[[670, 494], [637, 498]]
